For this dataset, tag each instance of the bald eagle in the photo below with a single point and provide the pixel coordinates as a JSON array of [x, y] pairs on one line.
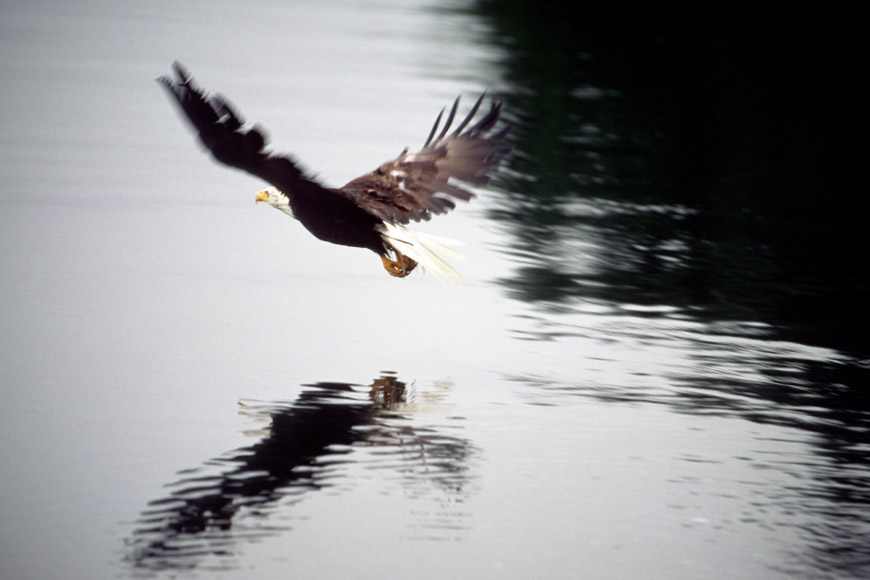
[[371, 211]]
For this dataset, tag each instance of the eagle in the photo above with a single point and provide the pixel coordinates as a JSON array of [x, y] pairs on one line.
[[371, 211]]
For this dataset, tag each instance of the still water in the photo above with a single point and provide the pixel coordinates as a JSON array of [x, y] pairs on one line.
[[653, 368]]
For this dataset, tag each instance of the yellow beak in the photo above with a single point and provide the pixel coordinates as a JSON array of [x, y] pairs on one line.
[[262, 195]]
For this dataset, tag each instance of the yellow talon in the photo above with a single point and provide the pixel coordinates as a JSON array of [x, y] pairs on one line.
[[400, 267]]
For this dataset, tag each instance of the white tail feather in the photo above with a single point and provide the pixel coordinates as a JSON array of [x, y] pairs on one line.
[[425, 249]]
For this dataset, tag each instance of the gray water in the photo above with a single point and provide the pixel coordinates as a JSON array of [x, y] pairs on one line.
[[193, 386]]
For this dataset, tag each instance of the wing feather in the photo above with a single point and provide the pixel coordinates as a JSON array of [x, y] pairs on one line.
[[415, 186], [412, 187], [222, 130]]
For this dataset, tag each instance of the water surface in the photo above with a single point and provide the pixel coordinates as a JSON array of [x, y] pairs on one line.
[[654, 365]]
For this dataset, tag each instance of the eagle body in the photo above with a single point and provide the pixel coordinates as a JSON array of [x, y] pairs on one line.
[[372, 210], [334, 218]]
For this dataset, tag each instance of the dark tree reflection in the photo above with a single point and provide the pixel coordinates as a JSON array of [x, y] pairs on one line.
[[230, 499], [698, 157], [703, 160]]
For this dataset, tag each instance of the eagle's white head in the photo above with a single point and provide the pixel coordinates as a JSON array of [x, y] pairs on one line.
[[276, 198]]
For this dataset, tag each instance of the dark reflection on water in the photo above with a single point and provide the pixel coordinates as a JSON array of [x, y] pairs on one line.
[[822, 398], [695, 167], [700, 158], [737, 371], [233, 498]]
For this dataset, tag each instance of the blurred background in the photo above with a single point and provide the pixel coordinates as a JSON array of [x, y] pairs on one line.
[[656, 364]]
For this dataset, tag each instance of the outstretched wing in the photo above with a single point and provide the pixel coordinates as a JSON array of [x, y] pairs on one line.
[[221, 130], [414, 186]]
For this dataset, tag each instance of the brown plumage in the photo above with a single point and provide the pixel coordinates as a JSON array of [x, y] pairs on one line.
[[369, 211]]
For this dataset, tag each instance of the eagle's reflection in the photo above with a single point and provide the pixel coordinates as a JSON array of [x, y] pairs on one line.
[[230, 498]]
